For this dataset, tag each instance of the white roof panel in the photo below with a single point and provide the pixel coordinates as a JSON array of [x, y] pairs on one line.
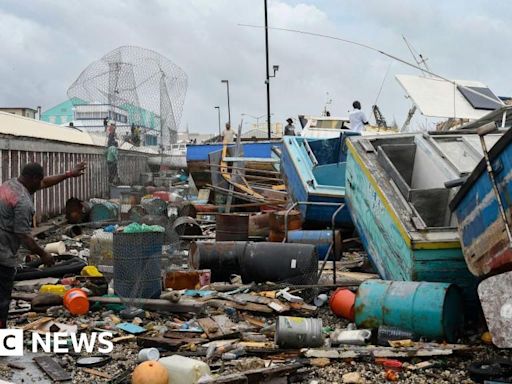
[[25, 127], [440, 98]]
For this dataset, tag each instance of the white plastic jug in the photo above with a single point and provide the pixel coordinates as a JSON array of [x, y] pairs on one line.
[[183, 370]]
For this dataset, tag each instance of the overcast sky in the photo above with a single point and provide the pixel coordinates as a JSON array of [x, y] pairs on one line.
[[46, 44]]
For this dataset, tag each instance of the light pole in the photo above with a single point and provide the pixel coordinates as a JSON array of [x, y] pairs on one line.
[[229, 109], [218, 110]]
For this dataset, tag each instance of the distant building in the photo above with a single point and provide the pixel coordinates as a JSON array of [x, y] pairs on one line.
[[20, 111], [90, 117], [61, 113]]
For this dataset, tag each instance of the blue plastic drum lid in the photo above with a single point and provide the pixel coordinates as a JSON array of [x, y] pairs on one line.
[[432, 310]]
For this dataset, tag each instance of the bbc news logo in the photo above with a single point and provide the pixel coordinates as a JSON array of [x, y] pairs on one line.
[[11, 342]]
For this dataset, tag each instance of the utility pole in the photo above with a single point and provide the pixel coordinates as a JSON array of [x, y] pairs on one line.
[[268, 72]]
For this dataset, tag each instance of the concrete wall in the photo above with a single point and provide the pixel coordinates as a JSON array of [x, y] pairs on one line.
[[57, 158]]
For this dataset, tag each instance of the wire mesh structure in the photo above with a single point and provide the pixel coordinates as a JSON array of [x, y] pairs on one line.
[[137, 267], [145, 84]]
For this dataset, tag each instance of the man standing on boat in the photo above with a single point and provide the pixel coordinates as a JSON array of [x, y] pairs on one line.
[[357, 118], [289, 129], [228, 135]]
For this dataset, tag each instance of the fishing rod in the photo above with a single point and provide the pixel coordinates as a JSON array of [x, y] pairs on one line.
[[372, 49]]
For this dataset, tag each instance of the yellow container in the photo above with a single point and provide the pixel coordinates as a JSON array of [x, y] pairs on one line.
[[56, 289], [91, 271]]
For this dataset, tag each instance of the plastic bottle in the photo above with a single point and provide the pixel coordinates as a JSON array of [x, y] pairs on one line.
[[385, 334], [183, 370], [353, 337]]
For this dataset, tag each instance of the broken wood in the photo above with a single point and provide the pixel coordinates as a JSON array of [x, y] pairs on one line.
[[37, 323], [218, 327], [426, 350], [155, 304], [52, 368], [95, 372], [251, 307], [166, 343], [123, 339]]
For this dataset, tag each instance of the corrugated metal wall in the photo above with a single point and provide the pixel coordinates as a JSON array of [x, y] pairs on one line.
[[57, 158]]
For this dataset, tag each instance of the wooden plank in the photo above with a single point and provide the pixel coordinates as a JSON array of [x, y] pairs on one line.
[[218, 327], [37, 323], [251, 307], [52, 368], [95, 372], [165, 343]]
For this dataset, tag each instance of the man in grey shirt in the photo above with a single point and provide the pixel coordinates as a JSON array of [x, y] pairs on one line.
[[16, 211]]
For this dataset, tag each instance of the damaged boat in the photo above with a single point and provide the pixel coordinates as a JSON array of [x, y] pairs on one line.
[[315, 173], [396, 193], [483, 208]]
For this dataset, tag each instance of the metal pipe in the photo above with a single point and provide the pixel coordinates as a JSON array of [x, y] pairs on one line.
[[333, 221]]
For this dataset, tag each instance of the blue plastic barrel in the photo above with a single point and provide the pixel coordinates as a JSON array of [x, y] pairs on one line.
[[104, 211], [137, 270], [431, 310], [321, 239]]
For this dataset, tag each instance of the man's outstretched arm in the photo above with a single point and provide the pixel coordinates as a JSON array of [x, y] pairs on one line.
[[50, 181]]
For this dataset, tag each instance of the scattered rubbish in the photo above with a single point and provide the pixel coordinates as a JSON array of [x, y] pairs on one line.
[[352, 378], [151, 372], [342, 303], [90, 271], [146, 354], [386, 334], [187, 279], [298, 332], [141, 228], [76, 301], [58, 248], [56, 289], [184, 370], [52, 368], [320, 300], [353, 337], [431, 310], [93, 361], [131, 328]]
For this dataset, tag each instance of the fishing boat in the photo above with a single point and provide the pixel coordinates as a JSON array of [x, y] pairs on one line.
[[198, 162], [315, 172], [328, 127], [483, 215], [397, 198]]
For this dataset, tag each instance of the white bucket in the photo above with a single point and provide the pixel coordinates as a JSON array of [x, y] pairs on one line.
[[59, 248]]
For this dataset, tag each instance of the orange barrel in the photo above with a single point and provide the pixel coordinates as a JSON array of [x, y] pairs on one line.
[[342, 303], [76, 301]]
